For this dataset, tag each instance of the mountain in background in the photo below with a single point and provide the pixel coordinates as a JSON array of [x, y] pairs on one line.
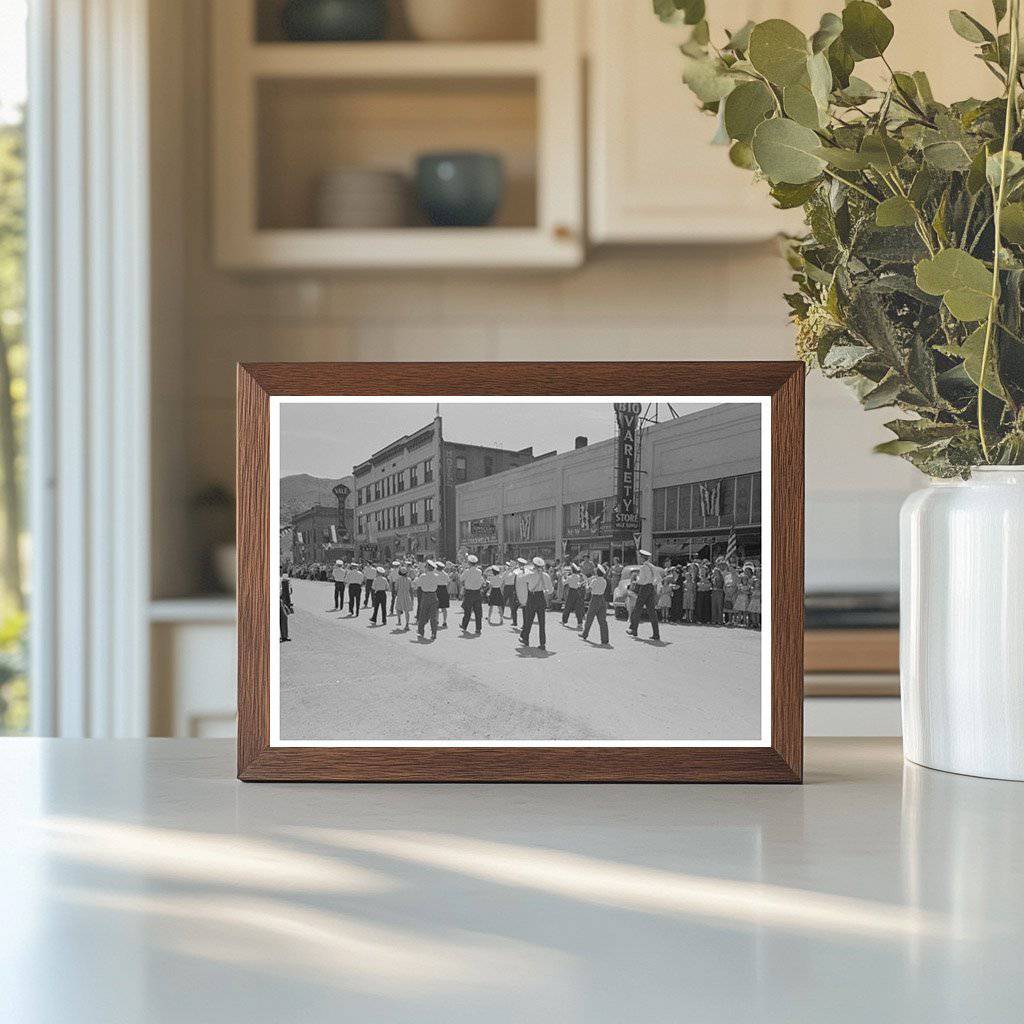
[[301, 491]]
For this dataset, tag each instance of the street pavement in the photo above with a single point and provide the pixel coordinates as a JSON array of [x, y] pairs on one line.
[[343, 678]]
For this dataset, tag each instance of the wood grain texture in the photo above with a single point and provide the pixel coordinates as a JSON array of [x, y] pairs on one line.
[[852, 650], [781, 762]]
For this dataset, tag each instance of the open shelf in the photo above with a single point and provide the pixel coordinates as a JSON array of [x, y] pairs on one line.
[[286, 114]]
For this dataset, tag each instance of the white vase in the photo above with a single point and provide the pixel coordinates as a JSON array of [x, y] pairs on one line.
[[962, 624]]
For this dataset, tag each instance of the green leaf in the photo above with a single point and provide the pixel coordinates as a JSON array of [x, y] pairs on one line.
[[924, 88], [969, 28], [745, 108], [857, 91], [739, 41], [779, 51], [841, 63], [895, 212], [947, 156], [976, 174], [844, 159], [1012, 224], [963, 281], [993, 167], [866, 29], [787, 152], [971, 351], [885, 394], [741, 155], [883, 152], [707, 78], [923, 431], [922, 185], [895, 447], [999, 9], [788, 196], [801, 106], [689, 12], [829, 30], [819, 74]]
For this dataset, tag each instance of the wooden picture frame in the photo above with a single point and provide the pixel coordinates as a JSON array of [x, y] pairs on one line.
[[780, 760]]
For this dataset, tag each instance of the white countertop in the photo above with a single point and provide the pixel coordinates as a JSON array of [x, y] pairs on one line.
[[140, 882]]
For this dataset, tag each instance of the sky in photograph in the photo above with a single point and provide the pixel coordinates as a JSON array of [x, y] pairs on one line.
[[328, 439]]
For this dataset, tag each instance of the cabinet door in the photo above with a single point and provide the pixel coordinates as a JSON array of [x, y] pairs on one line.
[[654, 177]]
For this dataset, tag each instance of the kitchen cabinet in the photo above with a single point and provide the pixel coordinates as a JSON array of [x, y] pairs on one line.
[[654, 177]]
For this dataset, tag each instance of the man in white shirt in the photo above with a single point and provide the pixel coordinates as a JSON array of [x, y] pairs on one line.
[[646, 598], [520, 581], [472, 594], [597, 608], [379, 587], [572, 602], [393, 583], [538, 589], [369, 572], [339, 574], [354, 579], [428, 582]]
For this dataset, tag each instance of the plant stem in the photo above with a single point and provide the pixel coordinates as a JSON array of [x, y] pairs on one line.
[[853, 185], [1011, 109]]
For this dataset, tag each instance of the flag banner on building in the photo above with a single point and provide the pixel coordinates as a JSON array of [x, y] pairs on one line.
[[730, 547], [711, 499], [298, 533], [524, 523]]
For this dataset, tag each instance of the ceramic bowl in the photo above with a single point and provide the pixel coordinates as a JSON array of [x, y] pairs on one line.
[[470, 20], [460, 189], [333, 21]]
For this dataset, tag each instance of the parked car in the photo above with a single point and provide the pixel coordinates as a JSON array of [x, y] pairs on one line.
[[619, 595]]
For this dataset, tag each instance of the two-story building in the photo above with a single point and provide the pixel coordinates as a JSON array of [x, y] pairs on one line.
[[699, 479], [321, 534], [405, 492]]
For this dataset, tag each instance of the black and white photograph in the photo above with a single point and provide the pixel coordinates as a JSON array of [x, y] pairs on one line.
[[520, 571]]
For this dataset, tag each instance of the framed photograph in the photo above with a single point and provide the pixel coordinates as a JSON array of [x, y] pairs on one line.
[[578, 572]]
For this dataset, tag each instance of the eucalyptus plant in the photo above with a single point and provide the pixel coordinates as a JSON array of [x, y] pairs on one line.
[[910, 277]]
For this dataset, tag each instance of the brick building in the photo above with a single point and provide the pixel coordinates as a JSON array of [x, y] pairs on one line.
[[405, 492], [322, 534]]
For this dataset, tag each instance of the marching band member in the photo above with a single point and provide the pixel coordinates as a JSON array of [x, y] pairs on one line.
[[647, 581], [494, 595], [354, 578], [286, 606], [539, 588], [403, 596], [339, 584], [443, 593], [508, 591], [393, 581], [597, 608], [472, 594], [572, 602], [428, 582], [379, 587]]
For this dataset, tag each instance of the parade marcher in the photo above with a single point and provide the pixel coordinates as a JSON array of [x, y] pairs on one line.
[[520, 582], [755, 599], [429, 580], [572, 602], [354, 578], [703, 610], [615, 573], [339, 573], [647, 585], [472, 594], [731, 575], [597, 607], [539, 587], [508, 592], [495, 598], [392, 583], [443, 593], [741, 605], [369, 573], [586, 566], [286, 606], [403, 596], [379, 588]]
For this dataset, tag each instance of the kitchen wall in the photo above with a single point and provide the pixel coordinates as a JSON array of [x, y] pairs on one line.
[[721, 302]]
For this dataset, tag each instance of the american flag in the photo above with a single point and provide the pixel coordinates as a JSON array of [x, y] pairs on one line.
[[730, 547]]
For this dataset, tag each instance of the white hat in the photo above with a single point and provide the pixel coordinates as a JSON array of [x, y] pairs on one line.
[[539, 562], [395, 562], [338, 561], [523, 561], [431, 563], [646, 554], [472, 559], [284, 576], [380, 569]]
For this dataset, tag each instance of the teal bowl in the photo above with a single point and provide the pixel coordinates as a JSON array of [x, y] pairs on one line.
[[334, 21], [462, 190]]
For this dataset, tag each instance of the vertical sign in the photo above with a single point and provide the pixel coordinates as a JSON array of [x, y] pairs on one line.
[[627, 512], [341, 492]]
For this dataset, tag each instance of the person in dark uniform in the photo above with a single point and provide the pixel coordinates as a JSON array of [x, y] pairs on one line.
[[472, 595], [597, 608], [572, 601], [369, 573], [646, 598], [286, 605], [538, 588]]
